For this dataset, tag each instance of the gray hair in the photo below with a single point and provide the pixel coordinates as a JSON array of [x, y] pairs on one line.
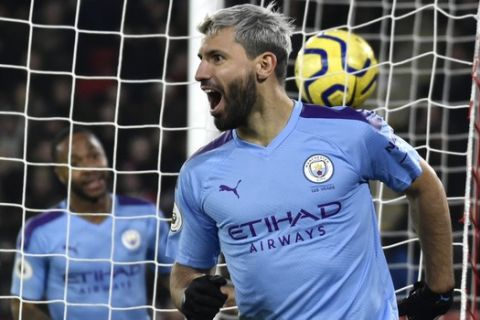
[[257, 29]]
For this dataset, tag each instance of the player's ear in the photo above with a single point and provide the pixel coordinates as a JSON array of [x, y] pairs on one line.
[[266, 63]]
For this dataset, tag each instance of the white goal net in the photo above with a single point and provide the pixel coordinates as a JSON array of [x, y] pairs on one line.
[[123, 69]]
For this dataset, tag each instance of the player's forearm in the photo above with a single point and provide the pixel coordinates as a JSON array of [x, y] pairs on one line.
[[180, 278], [432, 221], [29, 311]]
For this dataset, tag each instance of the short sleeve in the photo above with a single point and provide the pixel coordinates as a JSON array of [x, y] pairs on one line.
[[388, 158], [29, 274], [193, 237]]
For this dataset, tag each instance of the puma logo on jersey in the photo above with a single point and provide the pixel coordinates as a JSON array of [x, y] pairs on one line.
[[70, 248], [230, 189]]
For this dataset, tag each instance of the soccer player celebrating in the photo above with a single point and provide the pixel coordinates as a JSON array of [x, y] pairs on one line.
[[284, 194], [79, 260]]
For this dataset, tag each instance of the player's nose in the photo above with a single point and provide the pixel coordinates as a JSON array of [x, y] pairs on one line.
[[203, 71]]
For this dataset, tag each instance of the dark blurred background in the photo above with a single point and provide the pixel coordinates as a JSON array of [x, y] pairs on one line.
[[63, 62], [74, 74]]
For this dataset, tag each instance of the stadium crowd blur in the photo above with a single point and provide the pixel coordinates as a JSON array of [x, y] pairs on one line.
[[127, 114], [132, 144]]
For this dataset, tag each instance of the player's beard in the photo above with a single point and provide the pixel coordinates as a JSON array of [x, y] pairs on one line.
[[240, 97]]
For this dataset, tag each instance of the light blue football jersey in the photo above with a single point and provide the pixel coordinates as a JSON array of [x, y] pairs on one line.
[[295, 220], [91, 252]]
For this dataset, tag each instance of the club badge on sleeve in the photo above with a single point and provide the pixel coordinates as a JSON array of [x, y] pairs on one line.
[[177, 220], [23, 271]]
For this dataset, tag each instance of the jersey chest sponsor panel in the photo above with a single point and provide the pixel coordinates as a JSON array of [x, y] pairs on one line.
[[274, 210], [90, 270], [253, 196], [293, 221], [94, 275], [92, 260], [297, 216]]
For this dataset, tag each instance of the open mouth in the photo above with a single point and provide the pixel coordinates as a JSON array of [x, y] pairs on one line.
[[95, 182], [214, 98]]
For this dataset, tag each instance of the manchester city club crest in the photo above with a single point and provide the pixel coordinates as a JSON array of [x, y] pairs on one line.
[[131, 239], [318, 168], [176, 219]]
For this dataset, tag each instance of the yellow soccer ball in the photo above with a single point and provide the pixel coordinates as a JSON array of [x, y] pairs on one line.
[[336, 68]]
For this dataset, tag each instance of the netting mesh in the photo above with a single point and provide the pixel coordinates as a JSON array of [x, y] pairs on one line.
[[121, 68]]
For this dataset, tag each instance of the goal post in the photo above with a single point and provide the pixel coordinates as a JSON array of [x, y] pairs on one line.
[[470, 281], [199, 119]]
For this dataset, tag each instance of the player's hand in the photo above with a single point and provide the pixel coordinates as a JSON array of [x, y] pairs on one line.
[[424, 304], [203, 298]]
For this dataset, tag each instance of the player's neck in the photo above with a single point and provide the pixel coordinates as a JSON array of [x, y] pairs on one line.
[[268, 118], [94, 211]]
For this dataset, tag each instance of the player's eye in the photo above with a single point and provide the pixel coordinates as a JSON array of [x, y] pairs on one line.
[[217, 58]]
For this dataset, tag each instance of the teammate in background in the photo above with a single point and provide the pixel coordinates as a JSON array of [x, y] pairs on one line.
[[284, 194], [83, 235]]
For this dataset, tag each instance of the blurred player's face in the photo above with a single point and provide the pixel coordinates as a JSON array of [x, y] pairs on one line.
[[228, 77], [87, 152]]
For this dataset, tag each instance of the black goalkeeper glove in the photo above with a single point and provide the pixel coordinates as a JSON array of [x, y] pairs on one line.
[[424, 304], [203, 298]]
